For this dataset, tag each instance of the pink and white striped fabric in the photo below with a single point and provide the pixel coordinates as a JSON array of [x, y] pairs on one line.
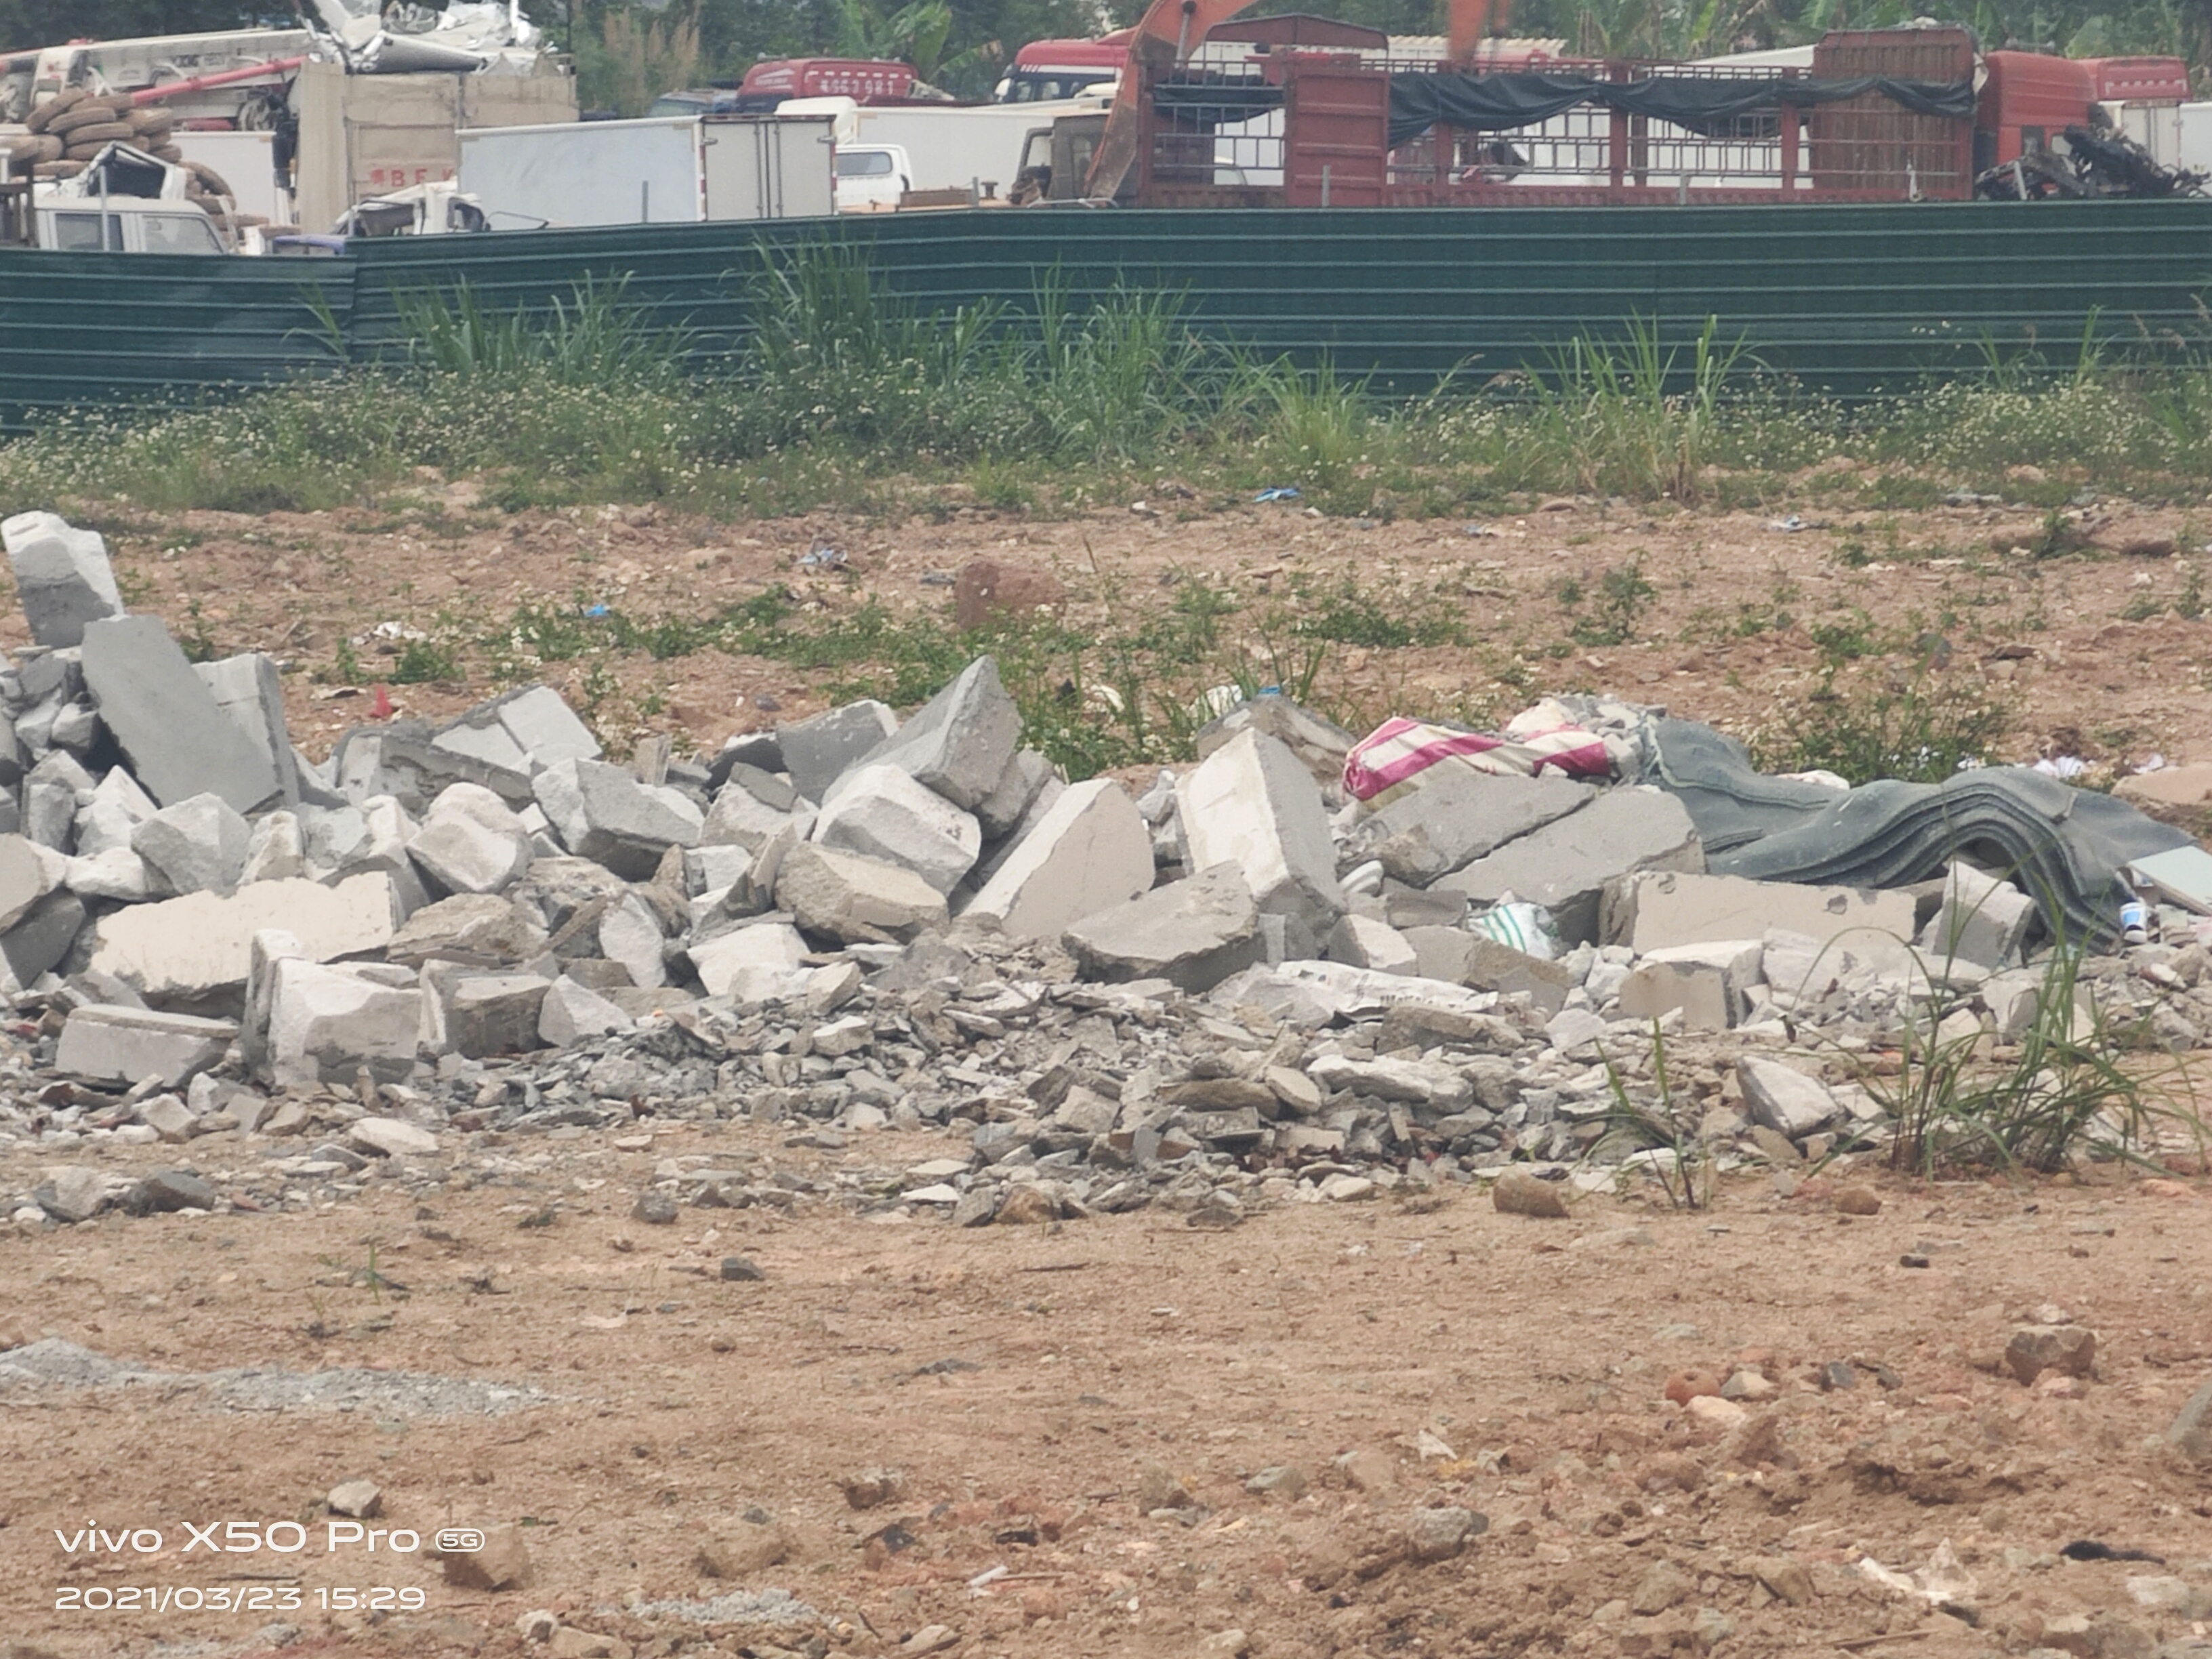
[[1398, 749]]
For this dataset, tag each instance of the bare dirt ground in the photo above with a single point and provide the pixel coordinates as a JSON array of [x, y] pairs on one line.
[[1042, 1389], [2097, 650], [1026, 1381]]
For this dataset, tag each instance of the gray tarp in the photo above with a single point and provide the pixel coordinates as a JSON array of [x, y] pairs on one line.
[[2064, 846]]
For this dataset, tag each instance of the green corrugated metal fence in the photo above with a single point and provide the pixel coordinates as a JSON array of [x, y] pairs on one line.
[[1845, 297]]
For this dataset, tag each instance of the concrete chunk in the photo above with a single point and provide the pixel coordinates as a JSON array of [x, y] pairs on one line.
[[545, 729], [27, 873], [179, 742], [117, 873], [483, 928], [762, 962], [1025, 777], [1470, 959], [1785, 1099], [326, 1023], [1654, 909], [1363, 942], [958, 743], [1319, 745], [197, 846], [1090, 850], [879, 811], [855, 898], [52, 790], [1194, 933], [117, 1046], [1566, 865], [1251, 804], [751, 807], [62, 578], [1981, 921], [1708, 982], [195, 946], [630, 933], [1455, 815], [603, 813], [480, 1015], [572, 1012], [471, 841], [276, 850], [818, 751], [37, 943], [247, 690]]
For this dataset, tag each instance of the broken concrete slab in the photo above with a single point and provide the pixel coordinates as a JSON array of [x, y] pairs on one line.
[[1652, 910], [854, 898], [51, 793], [1982, 921], [1707, 982], [1365, 942], [117, 806], [385, 1137], [179, 742], [603, 813], [63, 577], [1786, 1100], [572, 1012], [958, 743], [1194, 934], [196, 846], [1456, 815], [118, 873], [247, 689], [325, 1023], [998, 854], [751, 806], [1250, 804], [880, 811], [1088, 852], [1566, 867], [527, 729], [762, 962], [1359, 993], [199, 946], [118, 1047], [471, 841], [819, 750]]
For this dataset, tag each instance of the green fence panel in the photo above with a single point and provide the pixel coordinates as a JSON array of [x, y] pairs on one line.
[[139, 329], [1848, 298]]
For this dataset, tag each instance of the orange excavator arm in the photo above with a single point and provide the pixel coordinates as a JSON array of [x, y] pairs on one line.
[[1171, 30]]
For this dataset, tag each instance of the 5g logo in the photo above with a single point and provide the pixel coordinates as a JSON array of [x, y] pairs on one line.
[[458, 1540]]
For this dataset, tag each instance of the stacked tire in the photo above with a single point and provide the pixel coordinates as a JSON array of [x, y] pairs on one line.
[[68, 130]]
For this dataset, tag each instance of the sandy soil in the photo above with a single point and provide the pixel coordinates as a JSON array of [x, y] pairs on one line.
[[1025, 1381]]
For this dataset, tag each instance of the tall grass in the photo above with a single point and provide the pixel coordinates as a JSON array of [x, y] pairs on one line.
[[839, 388]]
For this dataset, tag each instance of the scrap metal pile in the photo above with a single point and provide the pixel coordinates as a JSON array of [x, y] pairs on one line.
[[1304, 970]]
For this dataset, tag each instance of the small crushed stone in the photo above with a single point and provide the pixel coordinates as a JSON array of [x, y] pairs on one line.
[[56, 1363], [766, 1607]]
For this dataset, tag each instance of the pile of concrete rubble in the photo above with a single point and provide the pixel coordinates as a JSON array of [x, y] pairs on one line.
[[1238, 988]]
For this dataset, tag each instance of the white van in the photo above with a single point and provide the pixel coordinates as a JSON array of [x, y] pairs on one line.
[[871, 178]]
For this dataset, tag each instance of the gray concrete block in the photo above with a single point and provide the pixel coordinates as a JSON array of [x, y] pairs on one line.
[[27, 873], [471, 841], [1981, 921], [958, 743], [120, 1047], [1566, 865], [117, 807], [1785, 1099], [750, 806], [546, 729], [1250, 804], [603, 813], [179, 742], [247, 690], [1195, 933], [762, 963], [485, 929], [855, 898], [327, 1022], [630, 933], [1024, 778], [1483, 964], [1088, 852], [41, 939], [52, 791], [62, 578], [880, 811], [197, 846], [479, 1015], [276, 850], [819, 750], [572, 1011], [1453, 815], [1708, 982], [1365, 942], [1319, 745]]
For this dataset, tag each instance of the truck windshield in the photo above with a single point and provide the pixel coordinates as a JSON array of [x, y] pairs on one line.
[[178, 233], [79, 232], [864, 164]]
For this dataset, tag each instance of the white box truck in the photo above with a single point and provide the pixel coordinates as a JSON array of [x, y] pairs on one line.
[[659, 170]]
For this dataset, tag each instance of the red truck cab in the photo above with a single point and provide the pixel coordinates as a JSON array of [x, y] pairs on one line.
[[2027, 99], [864, 80]]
